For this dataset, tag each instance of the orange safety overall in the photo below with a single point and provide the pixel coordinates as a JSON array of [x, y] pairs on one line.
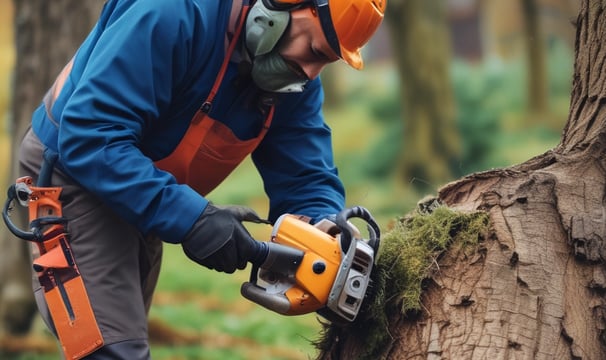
[[210, 151]]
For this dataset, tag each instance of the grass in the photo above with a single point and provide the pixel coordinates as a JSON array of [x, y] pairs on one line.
[[207, 305]]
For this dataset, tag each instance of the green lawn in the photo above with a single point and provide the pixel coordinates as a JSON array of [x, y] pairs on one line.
[[217, 322]]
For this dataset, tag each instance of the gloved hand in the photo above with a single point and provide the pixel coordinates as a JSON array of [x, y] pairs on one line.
[[219, 241]]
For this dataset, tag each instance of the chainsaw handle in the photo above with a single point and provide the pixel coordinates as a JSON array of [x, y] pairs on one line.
[[274, 302], [259, 253], [346, 231], [272, 256]]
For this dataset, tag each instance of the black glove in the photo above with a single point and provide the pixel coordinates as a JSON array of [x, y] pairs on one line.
[[219, 241]]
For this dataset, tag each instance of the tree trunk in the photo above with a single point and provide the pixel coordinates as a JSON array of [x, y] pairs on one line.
[[430, 141], [535, 289], [47, 34], [536, 59]]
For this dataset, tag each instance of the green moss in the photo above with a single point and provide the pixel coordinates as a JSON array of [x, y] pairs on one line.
[[409, 251], [408, 255]]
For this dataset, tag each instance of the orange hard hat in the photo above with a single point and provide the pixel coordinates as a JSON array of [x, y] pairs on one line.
[[347, 24]]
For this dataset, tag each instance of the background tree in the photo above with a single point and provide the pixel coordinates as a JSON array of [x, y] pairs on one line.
[[537, 62], [535, 287], [46, 35], [430, 141]]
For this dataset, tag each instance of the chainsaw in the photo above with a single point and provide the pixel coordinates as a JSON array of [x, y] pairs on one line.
[[323, 269]]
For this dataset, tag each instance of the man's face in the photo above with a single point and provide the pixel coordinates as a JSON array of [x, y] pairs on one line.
[[284, 58], [304, 46]]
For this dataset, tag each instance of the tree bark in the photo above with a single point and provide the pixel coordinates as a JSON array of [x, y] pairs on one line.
[[47, 34], [535, 289]]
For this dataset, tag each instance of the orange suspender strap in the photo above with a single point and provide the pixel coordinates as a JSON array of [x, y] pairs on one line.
[[186, 150], [206, 106]]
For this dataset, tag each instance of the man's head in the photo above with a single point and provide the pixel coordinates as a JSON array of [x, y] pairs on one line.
[[292, 40]]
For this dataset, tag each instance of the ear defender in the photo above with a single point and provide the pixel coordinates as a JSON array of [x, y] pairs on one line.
[[264, 27], [347, 24]]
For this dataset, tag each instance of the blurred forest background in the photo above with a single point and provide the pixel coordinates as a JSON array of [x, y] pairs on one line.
[[449, 88]]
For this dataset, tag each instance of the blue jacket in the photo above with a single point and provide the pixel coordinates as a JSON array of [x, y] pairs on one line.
[[135, 84]]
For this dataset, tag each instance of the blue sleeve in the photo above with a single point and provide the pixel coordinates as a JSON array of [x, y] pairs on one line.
[[295, 159], [131, 74]]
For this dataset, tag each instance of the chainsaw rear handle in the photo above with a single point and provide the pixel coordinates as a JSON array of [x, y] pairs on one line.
[[274, 302], [272, 256]]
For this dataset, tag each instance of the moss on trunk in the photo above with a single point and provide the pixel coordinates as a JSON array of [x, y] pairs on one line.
[[408, 256]]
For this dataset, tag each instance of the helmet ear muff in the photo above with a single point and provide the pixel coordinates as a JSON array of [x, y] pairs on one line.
[[264, 28]]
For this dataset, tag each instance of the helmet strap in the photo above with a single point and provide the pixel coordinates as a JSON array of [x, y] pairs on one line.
[[327, 26]]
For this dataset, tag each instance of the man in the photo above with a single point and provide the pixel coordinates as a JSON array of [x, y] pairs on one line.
[[160, 103]]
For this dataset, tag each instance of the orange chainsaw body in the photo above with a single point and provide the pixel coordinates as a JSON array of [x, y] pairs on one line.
[[319, 267]]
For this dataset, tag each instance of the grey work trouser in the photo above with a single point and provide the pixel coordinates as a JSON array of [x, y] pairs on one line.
[[119, 266]]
